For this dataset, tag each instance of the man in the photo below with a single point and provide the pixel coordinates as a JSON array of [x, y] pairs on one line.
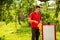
[[34, 19]]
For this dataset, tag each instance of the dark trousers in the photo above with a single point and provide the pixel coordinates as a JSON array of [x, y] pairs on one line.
[[35, 34]]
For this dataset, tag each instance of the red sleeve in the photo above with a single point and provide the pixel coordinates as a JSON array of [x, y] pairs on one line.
[[31, 15]]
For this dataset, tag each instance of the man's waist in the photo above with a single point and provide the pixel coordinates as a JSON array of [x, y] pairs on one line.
[[34, 27]]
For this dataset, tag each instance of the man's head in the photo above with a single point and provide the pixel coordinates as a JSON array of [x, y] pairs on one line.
[[37, 8]]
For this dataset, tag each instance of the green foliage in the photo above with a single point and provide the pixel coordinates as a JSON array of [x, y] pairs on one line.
[[43, 0], [5, 13]]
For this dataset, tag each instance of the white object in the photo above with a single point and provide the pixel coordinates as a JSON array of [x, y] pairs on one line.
[[49, 32]]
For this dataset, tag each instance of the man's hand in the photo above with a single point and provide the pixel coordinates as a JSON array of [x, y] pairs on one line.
[[35, 21]]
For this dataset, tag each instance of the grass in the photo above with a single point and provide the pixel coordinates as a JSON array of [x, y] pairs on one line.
[[14, 31]]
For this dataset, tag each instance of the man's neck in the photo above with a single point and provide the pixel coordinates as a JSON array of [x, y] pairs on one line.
[[36, 11]]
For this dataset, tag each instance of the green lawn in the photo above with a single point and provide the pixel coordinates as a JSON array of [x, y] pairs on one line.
[[16, 32]]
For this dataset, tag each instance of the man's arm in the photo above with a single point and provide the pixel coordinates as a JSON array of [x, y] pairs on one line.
[[30, 20]]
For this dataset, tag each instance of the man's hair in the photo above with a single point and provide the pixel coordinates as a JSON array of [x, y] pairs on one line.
[[37, 7]]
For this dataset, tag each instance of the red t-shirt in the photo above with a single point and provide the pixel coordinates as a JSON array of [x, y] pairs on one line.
[[35, 16]]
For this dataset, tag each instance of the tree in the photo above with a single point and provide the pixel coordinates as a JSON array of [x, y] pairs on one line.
[[4, 9]]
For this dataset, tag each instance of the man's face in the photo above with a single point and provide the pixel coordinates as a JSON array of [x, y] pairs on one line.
[[37, 9]]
